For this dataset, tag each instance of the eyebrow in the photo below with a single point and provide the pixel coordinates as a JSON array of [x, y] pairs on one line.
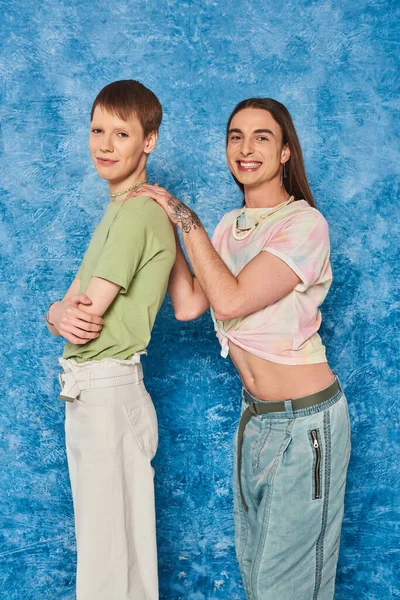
[[255, 131], [95, 125]]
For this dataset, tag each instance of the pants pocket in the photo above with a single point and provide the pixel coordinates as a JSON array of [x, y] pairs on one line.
[[144, 425], [315, 440], [259, 444]]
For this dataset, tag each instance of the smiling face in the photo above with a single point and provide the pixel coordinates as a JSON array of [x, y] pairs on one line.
[[119, 149], [254, 151]]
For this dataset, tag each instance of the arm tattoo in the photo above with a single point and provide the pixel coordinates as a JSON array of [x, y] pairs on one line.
[[182, 213]]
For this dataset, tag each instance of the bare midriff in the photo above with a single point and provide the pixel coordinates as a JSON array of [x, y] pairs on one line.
[[270, 381]]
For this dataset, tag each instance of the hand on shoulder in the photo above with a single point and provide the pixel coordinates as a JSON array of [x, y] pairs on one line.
[[178, 213]]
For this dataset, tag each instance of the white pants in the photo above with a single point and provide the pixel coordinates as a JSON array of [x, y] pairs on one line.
[[111, 436]]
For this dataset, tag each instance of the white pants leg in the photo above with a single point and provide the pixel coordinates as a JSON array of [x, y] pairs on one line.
[[111, 437]]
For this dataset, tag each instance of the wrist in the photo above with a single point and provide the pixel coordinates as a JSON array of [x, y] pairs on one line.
[[48, 317], [189, 222]]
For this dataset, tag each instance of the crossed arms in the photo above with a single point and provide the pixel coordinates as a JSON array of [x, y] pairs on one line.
[[78, 317]]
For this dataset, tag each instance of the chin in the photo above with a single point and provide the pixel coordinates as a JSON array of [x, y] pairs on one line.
[[247, 179], [102, 176]]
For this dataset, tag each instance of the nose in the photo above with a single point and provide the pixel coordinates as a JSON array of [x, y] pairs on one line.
[[247, 147], [106, 143]]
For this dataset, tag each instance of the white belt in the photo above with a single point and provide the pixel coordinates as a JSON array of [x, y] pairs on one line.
[[75, 381]]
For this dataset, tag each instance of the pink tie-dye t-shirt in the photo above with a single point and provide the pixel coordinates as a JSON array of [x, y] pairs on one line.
[[284, 332]]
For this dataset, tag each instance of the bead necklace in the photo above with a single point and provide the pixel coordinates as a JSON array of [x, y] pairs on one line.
[[134, 187], [241, 233]]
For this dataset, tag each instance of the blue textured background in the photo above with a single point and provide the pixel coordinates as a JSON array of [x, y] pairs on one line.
[[334, 65]]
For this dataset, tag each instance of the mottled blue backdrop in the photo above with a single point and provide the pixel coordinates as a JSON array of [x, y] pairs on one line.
[[334, 64]]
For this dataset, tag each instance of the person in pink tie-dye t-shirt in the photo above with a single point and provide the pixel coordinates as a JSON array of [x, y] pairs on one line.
[[265, 274]]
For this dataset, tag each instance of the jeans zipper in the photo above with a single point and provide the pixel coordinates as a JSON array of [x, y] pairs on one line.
[[317, 478]]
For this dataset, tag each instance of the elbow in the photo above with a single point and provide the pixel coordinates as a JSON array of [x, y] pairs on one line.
[[229, 306], [185, 315], [220, 316], [188, 309], [181, 315], [226, 313], [225, 316]]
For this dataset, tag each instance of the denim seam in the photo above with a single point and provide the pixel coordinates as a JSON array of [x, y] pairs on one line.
[[244, 529], [319, 551], [243, 534], [267, 510]]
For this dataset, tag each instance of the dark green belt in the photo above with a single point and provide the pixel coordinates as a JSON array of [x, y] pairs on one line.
[[261, 408]]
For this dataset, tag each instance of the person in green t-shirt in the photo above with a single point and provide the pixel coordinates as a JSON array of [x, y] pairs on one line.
[[106, 317]]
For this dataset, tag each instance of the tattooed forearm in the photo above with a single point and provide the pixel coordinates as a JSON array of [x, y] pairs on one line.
[[183, 215]]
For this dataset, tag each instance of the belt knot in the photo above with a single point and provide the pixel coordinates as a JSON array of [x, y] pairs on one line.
[[254, 408], [70, 388]]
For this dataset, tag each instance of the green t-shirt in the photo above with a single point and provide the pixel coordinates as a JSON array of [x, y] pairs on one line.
[[134, 247]]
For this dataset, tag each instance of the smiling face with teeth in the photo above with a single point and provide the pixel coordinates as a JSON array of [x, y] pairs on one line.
[[254, 151]]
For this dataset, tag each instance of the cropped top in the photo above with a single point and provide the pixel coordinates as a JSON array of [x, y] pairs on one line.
[[284, 332]]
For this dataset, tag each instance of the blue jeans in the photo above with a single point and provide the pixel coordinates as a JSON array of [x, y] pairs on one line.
[[293, 474]]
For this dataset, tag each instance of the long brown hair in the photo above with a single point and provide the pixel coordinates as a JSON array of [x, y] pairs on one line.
[[296, 182]]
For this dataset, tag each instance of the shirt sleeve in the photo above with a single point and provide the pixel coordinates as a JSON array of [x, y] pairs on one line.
[[124, 248], [303, 244]]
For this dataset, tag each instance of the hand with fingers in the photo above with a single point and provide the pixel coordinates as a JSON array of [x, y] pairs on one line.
[[74, 324], [178, 213]]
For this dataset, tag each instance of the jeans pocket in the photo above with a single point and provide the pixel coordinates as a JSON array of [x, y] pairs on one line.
[[143, 422], [260, 443], [315, 440]]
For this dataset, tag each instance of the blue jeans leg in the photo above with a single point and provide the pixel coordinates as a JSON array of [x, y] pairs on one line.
[[293, 475]]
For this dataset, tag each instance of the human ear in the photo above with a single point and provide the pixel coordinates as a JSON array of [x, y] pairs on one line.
[[285, 154], [150, 142]]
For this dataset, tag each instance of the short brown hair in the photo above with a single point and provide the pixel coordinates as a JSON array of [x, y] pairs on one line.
[[130, 97], [296, 182]]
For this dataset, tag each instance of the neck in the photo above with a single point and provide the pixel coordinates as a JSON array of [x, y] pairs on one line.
[[267, 195], [115, 187]]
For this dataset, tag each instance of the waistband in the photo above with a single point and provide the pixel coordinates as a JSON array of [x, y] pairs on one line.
[[94, 375], [261, 407]]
